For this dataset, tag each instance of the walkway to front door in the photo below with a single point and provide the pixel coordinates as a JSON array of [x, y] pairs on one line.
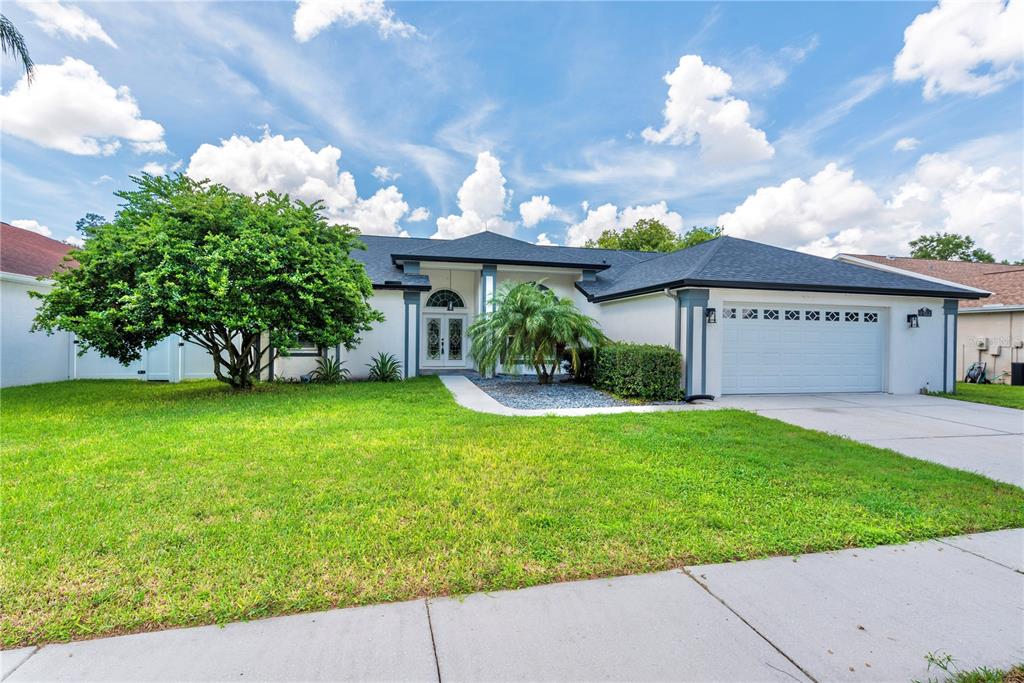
[[445, 335]]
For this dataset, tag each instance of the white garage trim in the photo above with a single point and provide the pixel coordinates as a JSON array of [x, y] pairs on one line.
[[772, 348]]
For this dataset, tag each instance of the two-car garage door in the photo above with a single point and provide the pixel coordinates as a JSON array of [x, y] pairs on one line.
[[787, 349]]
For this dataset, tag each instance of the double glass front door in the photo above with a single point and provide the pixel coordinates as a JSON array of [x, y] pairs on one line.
[[444, 340]]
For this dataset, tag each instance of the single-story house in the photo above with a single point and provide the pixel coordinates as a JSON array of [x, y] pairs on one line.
[[28, 357], [746, 317], [991, 330]]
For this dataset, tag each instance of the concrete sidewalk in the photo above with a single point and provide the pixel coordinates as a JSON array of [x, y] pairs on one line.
[[849, 615]]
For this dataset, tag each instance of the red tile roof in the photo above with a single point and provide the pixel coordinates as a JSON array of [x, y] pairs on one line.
[[28, 253], [1005, 282]]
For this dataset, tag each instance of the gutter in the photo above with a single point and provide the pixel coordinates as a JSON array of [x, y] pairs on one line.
[[960, 293]]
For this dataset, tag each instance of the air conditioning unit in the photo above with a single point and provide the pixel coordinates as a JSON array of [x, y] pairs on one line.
[[994, 351], [981, 344], [1019, 344]]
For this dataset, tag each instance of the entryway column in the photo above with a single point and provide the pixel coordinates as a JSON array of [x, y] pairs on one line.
[[949, 349], [692, 337], [412, 334]]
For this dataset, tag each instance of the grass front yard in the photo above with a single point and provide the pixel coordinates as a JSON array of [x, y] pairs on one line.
[[131, 506], [992, 394]]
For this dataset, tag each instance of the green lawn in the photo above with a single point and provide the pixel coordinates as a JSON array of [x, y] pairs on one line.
[[992, 394], [131, 506]]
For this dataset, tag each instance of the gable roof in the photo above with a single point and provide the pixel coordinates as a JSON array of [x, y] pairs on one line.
[[1004, 281], [24, 252], [722, 262]]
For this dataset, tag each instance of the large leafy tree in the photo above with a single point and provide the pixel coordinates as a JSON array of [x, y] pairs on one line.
[[243, 277], [948, 246], [531, 326], [12, 43], [650, 234]]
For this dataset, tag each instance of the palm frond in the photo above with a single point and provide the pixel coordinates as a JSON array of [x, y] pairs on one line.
[[530, 326], [12, 43]]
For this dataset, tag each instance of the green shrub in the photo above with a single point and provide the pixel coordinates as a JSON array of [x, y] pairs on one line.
[[329, 371], [583, 373], [385, 368], [646, 371]]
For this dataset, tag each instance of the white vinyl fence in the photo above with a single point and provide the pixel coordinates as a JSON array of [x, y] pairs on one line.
[[31, 357]]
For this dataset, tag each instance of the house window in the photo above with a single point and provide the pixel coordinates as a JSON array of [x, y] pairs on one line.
[[792, 315], [852, 317], [832, 316], [306, 346], [729, 313], [750, 314], [445, 298], [871, 317], [812, 315], [771, 314]]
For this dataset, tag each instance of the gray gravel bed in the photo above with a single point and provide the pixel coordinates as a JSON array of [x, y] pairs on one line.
[[524, 392]]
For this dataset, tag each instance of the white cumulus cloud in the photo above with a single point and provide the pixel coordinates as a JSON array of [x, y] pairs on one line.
[[384, 174], [313, 16], [700, 108], [609, 217], [55, 18], [835, 212], [544, 241], [419, 214], [482, 199], [32, 226], [540, 208], [290, 166], [156, 168], [71, 108], [963, 47], [906, 144]]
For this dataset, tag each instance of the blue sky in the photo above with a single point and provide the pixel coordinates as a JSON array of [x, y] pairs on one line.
[[780, 121]]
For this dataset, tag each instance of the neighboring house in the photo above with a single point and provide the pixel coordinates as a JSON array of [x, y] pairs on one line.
[[747, 317], [991, 330], [28, 357]]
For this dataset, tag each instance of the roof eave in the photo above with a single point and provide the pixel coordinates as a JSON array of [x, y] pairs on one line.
[[398, 258], [403, 287], [785, 287]]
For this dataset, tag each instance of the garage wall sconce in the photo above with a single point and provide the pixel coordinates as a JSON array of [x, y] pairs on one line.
[[709, 316], [924, 312], [912, 320]]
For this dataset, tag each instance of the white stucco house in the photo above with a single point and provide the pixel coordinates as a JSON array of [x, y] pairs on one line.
[[746, 317]]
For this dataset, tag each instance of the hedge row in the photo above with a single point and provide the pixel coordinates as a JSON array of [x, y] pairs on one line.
[[646, 371]]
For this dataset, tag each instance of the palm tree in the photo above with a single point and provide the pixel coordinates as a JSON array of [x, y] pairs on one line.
[[13, 43], [531, 326]]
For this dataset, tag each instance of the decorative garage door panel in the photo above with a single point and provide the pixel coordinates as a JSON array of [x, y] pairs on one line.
[[783, 349]]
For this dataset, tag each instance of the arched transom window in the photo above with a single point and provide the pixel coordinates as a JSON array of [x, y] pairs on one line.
[[445, 298]]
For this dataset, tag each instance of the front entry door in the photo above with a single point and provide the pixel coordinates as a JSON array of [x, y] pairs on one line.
[[445, 337]]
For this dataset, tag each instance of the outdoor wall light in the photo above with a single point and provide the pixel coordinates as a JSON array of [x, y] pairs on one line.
[[924, 312], [709, 316], [912, 320]]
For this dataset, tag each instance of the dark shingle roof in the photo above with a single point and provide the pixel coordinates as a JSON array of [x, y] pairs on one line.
[[722, 262], [738, 263], [382, 270], [494, 248]]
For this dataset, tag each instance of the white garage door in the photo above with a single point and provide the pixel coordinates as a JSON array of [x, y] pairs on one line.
[[785, 349]]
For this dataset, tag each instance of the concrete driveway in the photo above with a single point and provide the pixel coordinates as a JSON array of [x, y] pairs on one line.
[[969, 436]]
